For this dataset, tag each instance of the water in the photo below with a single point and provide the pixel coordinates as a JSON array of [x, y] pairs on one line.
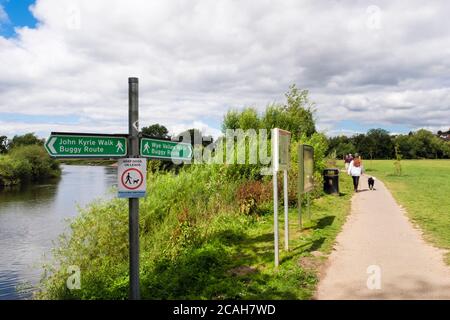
[[32, 217]]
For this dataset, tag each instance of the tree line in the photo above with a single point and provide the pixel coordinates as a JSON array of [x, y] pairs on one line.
[[23, 159], [380, 144]]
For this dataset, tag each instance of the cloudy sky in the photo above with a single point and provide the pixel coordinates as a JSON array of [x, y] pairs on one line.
[[64, 65]]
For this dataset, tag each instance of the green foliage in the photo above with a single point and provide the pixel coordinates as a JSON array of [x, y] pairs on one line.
[[194, 243], [42, 165], [194, 136], [296, 116], [156, 131], [204, 230], [379, 144], [252, 195], [230, 120], [422, 144], [397, 162], [13, 171], [27, 163], [175, 207], [300, 112], [25, 140]]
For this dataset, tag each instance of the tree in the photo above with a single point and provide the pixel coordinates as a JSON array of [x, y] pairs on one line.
[[341, 145], [195, 136], [231, 120], [300, 111], [249, 119], [25, 140], [380, 144], [296, 116], [156, 131], [3, 144]]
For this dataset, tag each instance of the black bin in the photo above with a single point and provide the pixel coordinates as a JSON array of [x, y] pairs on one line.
[[331, 181]]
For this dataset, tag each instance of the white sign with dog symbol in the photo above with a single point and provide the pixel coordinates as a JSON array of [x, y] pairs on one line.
[[132, 177]]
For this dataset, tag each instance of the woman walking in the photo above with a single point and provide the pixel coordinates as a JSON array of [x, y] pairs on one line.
[[355, 170], [348, 158]]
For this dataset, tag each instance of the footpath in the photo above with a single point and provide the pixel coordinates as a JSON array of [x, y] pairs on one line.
[[380, 255]]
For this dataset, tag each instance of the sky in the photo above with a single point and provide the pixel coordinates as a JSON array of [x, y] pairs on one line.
[[64, 64]]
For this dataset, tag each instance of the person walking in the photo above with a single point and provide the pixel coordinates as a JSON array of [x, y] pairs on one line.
[[355, 169], [348, 158]]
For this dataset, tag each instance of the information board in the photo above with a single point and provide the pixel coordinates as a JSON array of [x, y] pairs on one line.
[[280, 149], [305, 168]]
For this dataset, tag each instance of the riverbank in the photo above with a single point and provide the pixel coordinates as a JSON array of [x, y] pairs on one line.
[[24, 164], [88, 162], [197, 243]]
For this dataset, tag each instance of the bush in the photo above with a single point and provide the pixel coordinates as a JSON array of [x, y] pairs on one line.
[[251, 195], [14, 171], [42, 166], [174, 218]]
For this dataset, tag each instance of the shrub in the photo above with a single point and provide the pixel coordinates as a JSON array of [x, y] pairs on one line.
[[42, 166], [252, 194], [174, 217], [14, 171]]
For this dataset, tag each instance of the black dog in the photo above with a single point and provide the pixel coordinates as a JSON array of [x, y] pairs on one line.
[[371, 182]]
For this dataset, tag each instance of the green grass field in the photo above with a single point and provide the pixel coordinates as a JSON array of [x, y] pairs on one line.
[[424, 190]]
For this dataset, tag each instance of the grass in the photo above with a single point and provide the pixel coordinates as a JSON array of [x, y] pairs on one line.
[[423, 189], [242, 248], [195, 244]]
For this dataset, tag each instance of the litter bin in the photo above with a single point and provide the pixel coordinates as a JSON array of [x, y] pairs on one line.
[[331, 181]]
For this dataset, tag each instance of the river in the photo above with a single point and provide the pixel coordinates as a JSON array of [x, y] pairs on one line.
[[32, 217]]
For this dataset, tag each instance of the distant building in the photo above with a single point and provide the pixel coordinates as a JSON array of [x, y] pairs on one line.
[[444, 135]]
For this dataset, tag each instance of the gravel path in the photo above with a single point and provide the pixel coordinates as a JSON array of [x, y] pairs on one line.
[[379, 237]]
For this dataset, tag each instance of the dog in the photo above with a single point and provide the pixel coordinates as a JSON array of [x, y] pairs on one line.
[[371, 182], [136, 181]]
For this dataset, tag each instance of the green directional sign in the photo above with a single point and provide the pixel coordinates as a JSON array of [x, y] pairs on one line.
[[86, 146], [163, 149]]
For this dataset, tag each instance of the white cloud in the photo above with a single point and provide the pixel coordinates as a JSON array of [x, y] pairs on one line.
[[3, 15], [196, 59]]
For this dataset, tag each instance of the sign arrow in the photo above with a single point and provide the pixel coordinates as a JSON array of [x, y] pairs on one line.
[[50, 145]]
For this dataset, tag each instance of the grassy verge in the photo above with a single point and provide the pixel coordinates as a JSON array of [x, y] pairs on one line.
[[195, 244], [423, 189], [246, 247]]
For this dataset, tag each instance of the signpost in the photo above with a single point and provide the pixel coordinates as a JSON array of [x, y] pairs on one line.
[[133, 203], [132, 168], [280, 161], [305, 176], [163, 149], [85, 145]]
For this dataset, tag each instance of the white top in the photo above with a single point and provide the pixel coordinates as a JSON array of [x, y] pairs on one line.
[[354, 171]]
